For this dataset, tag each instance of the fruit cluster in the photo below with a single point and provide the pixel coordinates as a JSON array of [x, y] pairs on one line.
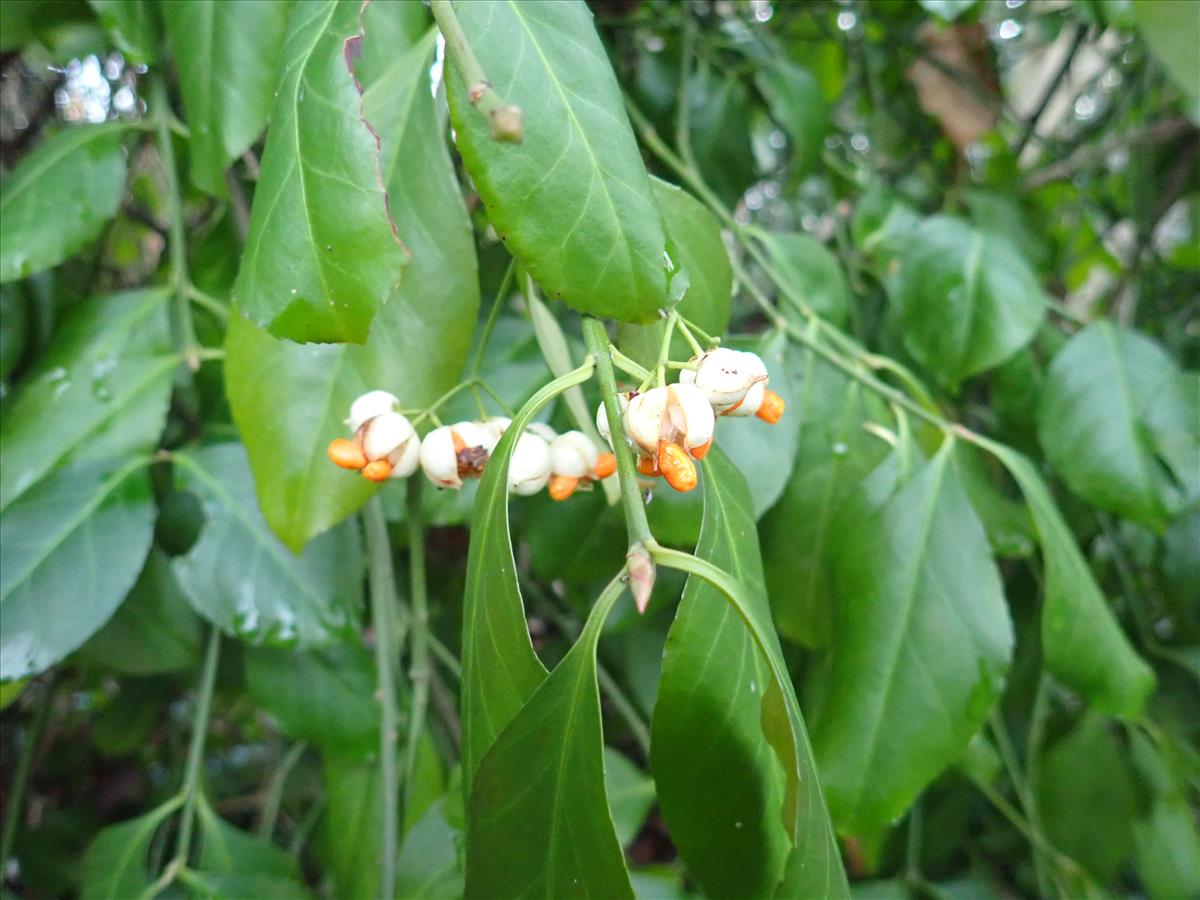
[[386, 445]]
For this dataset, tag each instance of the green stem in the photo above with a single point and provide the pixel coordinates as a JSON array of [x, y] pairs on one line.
[[697, 350], [206, 301], [429, 411], [664, 352], [497, 399], [419, 668], [20, 782], [636, 524], [629, 366], [505, 119], [625, 708], [383, 611], [490, 325], [195, 757], [176, 235], [270, 810]]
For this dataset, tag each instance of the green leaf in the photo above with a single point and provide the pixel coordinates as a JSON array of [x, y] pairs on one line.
[[154, 629], [240, 865], [719, 127], [428, 865], [538, 823], [227, 54], [921, 644], [797, 106], [322, 254], [1085, 795], [243, 580], [799, 534], [1082, 643], [1170, 31], [326, 696], [811, 271], [59, 198], [695, 237], [630, 795], [500, 668], [741, 822], [125, 722], [132, 25], [1105, 395], [765, 453], [966, 299], [70, 550], [102, 391], [115, 864], [1166, 843], [572, 202], [350, 833], [287, 395], [388, 27]]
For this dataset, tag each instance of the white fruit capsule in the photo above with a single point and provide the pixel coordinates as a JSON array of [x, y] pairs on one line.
[[749, 406], [542, 430], [386, 435], [689, 416], [529, 466], [370, 405], [573, 454], [408, 459], [602, 417], [725, 376], [644, 419], [676, 414], [439, 458], [493, 429], [471, 434]]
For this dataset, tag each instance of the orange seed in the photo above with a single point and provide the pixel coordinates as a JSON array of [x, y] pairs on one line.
[[647, 465], [606, 464], [562, 486], [676, 466], [377, 471], [772, 407], [702, 451], [346, 453]]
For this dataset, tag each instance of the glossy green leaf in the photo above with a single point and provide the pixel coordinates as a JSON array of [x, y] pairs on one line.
[[500, 668], [132, 25], [538, 823], [765, 453], [286, 395], [60, 197], [1082, 643], [154, 629], [389, 26], [799, 534], [920, 646], [965, 299], [572, 202], [70, 549], [115, 866], [325, 696], [747, 812], [322, 254], [797, 106], [243, 580], [811, 271], [101, 392], [1086, 797], [237, 864], [630, 795], [226, 52], [1170, 30], [1106, 400]]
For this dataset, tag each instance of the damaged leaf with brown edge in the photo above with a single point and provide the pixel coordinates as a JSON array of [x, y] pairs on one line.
[[322, 254]]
